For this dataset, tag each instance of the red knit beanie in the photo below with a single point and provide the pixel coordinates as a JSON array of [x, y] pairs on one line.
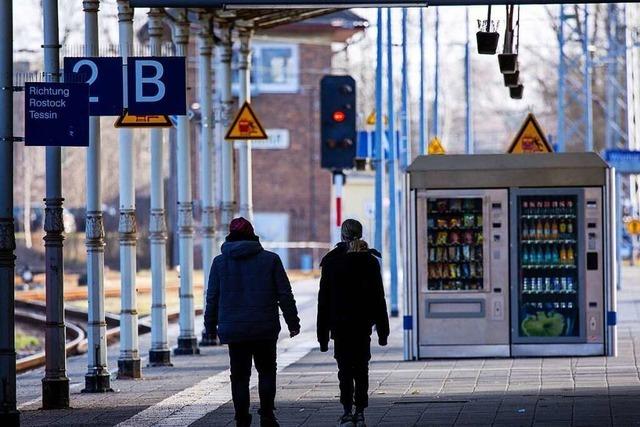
[[240, 226]]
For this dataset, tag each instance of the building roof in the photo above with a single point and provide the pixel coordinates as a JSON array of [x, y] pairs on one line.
[[342, 22]]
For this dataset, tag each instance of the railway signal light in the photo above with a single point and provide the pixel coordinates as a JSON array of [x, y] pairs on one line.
[[337, 122]]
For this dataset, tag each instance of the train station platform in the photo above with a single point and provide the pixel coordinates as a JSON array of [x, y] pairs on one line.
[[586, 391]]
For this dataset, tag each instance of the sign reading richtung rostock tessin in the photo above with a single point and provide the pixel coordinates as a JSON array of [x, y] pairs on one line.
[[56, 114], [323, 4]]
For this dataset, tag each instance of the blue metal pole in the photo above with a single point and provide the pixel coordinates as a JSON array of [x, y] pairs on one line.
[[379, 151], [588, 110], [393, 240], [468, 140], [423, 135], [436, 83], [610, 70], [405, 154], [561, 84]]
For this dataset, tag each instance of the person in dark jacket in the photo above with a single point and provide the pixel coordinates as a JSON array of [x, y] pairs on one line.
[[350, 302], [246, 286]]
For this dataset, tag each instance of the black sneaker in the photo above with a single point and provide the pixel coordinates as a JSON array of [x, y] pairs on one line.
[[268, 419], [346, 420], [243, 421], [358, 419]]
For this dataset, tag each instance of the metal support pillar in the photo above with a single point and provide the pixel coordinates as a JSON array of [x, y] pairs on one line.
[[129, 359], [205, 40], [55, 384], [423, 118], [379, 153], [575, 113], [159, 352], [217, 139], [405, 146], [9, 415], [468, 140], [393, 224], [226, 158], [187, 341], [617, 219], [587, 82], [97, 378], [562, 70], [245, 178], [436, 79], [616, 133]]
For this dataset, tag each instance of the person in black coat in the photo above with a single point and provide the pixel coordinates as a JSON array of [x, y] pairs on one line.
[[350, 302], [246, 286]]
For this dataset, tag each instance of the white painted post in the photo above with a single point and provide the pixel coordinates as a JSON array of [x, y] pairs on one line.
[[159, 353], [187, 341], [244, 150], [224, 86], [205, 95], [129, 359], [97, 378]]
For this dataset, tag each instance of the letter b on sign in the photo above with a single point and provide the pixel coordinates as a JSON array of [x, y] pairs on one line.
[[157, 85], [153, 80]]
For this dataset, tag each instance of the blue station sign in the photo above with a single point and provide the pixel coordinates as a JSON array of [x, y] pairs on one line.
[[156, 85], [624, 161], [105, 79], [56, 114]]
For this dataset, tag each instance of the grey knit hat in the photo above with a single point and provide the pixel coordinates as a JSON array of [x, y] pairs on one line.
[[351, 230]]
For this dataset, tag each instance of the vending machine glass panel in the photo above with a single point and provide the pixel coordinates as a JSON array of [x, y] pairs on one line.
[[549, 303], [455, 244]]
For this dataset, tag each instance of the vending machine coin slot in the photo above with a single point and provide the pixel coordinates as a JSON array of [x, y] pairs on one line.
[[593, 304]]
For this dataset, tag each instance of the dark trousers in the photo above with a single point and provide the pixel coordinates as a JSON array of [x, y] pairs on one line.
[[353, 354], [263, 354]]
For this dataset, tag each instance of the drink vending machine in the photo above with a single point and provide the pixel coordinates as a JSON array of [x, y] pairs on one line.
[[510, 255]]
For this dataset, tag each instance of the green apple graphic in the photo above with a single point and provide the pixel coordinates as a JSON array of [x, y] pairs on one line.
[[543, 324]]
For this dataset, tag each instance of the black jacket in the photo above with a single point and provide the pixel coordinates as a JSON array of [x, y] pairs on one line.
[[246, 286], [351, 297]]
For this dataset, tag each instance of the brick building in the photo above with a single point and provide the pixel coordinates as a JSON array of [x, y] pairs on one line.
[[291, 193]]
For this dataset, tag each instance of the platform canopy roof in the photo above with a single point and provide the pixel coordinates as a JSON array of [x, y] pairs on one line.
[[321, 4]]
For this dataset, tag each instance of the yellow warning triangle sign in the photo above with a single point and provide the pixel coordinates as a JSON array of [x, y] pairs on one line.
[[127, 120], [530, 138], [435, 146], [246, 125]]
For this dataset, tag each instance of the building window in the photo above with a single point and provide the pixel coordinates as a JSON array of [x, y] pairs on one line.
[[275, 68]]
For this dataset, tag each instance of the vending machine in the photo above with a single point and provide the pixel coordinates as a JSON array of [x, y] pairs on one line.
[[510, 255]]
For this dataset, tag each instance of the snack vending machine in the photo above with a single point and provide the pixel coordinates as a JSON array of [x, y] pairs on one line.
[[510, 255]]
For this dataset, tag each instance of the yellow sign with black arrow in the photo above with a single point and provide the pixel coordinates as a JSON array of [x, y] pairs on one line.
[[130, 121]]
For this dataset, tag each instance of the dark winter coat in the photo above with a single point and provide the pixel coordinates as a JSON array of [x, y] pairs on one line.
[[351, 297], [246, 286]]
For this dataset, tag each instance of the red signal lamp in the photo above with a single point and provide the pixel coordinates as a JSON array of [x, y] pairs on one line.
[[339, 116]]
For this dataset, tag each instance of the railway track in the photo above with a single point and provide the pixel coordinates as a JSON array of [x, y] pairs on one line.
[[33, 313]]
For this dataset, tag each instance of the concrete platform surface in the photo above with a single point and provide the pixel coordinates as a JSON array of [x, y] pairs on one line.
[[589, 391]]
